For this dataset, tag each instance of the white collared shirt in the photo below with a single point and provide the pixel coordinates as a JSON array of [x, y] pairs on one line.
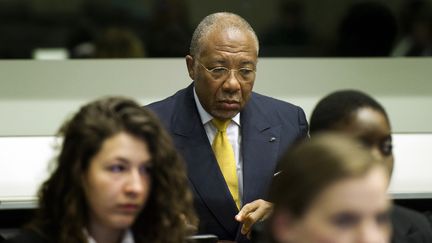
[[234, 136], [127, 237]]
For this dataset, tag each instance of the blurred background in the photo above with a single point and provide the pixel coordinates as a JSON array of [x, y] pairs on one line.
[[53, 29]]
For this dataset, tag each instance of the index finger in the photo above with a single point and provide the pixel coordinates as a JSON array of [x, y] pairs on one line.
[[246, 210]]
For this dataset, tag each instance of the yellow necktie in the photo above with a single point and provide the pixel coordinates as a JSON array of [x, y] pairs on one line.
[[225, 156]]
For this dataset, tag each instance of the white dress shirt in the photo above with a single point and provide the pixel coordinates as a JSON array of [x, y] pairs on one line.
[[234, 136]]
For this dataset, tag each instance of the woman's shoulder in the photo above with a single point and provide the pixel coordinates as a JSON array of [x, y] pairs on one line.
[[27, 236]]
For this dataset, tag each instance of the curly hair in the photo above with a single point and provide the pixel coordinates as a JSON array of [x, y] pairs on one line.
[[63, 209]]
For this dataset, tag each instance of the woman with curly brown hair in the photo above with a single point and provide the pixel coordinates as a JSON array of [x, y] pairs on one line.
[[118, 178]]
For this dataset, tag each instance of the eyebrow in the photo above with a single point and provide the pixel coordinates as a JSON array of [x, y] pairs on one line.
[[126, 161], [122, 159], [221, 60], [218, 60], [248, 62]]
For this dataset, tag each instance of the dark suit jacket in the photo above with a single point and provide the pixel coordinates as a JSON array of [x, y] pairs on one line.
[[268, 126], [410, 226]]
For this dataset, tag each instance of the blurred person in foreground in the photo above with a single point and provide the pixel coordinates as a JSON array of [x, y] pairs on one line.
[[360, 116], [117, 179], [330, 190]]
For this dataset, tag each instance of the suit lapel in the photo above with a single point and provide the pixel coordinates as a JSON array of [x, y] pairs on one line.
[[260, 148], [203, 169]]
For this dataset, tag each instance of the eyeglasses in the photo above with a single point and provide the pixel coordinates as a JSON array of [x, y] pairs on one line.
[[222, 73]]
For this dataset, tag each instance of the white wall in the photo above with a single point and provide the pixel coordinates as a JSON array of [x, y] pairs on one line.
[[23, 172], [412, 170], [36, 96]]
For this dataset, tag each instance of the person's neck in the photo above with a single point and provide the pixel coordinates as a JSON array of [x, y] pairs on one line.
[[102, 234]]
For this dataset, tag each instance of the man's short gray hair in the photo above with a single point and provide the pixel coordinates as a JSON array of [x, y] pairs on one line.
[[222, 21]]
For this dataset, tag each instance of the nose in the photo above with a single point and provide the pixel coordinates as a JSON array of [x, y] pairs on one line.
[[370, 232], [232, 83], [134, 184]]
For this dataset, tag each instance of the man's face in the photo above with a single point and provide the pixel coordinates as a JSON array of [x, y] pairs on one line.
[[235, 51]]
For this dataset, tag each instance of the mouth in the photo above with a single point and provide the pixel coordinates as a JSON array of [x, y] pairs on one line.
[[129, 208], [230, 101], [229, 105]]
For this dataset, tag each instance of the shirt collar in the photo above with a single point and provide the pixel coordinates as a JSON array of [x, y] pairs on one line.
[[205, 116], [127, 237]]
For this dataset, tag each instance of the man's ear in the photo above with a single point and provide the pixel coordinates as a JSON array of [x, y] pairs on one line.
[[190, 66], [283, 226]]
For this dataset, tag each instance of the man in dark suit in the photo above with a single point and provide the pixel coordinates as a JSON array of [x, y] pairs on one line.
[[229, 187]]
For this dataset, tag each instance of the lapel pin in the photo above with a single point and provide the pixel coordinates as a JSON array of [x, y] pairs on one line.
[[272, 139]]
